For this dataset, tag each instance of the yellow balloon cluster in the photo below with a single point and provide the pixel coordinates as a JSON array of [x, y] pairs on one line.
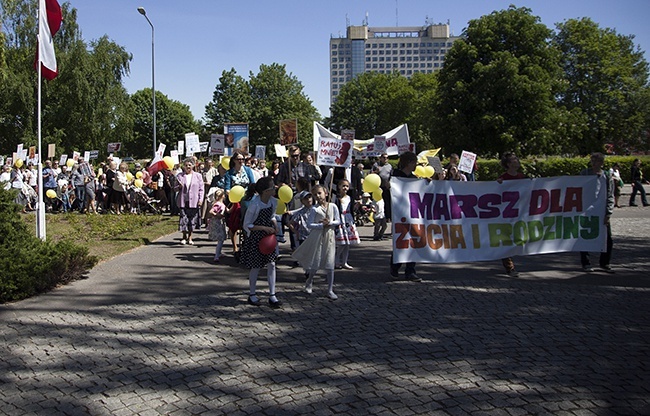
[[51, 193], [285, 194], [169, 162], [371, 183], [424, 171], [138, 174], [377, 194], [236, 193], [129, 176]]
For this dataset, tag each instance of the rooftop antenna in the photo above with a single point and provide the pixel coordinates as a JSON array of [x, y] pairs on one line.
[[347, 20], [396, 14], [365, 23]]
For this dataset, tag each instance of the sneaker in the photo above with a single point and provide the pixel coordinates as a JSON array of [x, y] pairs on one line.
[[513, 273], [413, 278], [338, 266], [587, 269], [216, 259], [332, 296], [347, 266], [308, 290], [183, 241], [608, 269], [254, 300], [190, 242]]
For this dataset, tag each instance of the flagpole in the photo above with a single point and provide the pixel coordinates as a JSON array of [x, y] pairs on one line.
[[40, 210]]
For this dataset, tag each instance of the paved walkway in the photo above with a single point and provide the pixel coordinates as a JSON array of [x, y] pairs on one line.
[[163, 331]]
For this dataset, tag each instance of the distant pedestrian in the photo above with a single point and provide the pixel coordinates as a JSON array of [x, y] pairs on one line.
[[318, 251], [189, 186], [637, 184]]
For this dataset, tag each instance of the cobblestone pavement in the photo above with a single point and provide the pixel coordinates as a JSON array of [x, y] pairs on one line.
[[163, 330]]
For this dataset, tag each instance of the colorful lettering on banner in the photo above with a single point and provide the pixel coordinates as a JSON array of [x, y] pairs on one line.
[[446, 221]]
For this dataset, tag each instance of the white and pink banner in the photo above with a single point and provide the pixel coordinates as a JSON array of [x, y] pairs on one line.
[[450, 222]]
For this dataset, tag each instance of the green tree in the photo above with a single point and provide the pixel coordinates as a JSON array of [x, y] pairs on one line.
[[85, 107], [266, 98], [277, 95], [372, 104], [606, 84], [231, 101], [173, 120], [497, 88]]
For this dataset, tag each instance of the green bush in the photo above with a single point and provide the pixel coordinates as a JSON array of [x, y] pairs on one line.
[[29, 265]]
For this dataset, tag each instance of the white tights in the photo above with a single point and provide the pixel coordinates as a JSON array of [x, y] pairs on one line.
[[252, 279], [342, 253], [330, 279]]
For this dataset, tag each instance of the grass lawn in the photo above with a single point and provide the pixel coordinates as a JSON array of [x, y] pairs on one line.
[[106, 236]]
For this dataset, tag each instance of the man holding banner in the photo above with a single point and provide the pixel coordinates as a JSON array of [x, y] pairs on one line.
[[597, 161]]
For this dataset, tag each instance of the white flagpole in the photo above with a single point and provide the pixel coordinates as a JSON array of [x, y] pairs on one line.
[[40, 210]]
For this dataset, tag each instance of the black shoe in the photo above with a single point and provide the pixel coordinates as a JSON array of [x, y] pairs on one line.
[[394, 274], [413, 278], [632, 204], [646, 205], [275, 305], [254, 301], [607, 269], [587, 268]]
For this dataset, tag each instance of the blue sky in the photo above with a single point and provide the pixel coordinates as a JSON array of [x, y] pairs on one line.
[[196, 40]]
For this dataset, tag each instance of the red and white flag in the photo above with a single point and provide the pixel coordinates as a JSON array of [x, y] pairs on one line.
[[49, 15]]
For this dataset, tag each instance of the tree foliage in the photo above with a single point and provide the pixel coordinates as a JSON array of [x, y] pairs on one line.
[[266, 98], [84, 108], [497, 88], [173, 120], [606, 86]]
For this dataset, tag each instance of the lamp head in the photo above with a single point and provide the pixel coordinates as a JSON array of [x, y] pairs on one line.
[[142, 11]]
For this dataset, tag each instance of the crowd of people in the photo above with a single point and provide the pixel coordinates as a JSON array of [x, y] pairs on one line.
[[321, 219]]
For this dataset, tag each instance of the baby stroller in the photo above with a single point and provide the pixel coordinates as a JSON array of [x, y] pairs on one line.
[[362, 214], [141, 203]]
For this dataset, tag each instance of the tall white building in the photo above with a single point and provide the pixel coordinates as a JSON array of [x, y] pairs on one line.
[[407, 50]]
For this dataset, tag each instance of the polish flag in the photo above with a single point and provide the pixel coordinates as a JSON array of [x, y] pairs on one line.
[[49, 14]]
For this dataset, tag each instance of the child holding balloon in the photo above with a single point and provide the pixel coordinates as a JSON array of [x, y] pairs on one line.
[[258, 222], [318, 251]]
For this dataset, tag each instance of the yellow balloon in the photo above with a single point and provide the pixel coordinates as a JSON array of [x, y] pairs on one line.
[[169, 162], [377, 194], [236, 193], [70, 163], [281, 209], [419, 171], [225, 162], [138, 174], [429, 171], [371, 183], [51, 193], [18, 163], [129, 176], [138, 183], [285, 194]]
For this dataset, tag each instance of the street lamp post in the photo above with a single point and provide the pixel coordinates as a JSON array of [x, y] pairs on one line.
[[143, 12]]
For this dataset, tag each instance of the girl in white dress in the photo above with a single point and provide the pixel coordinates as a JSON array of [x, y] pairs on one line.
[[346, 234], [318, 251]]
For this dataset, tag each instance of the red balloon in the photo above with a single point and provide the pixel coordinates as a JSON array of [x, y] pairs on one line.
[[268, 244]]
